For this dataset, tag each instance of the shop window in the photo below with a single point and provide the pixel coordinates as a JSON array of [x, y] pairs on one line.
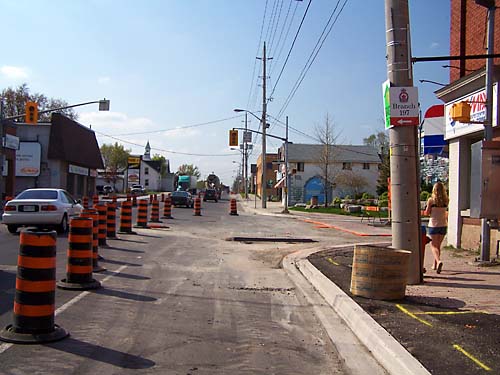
[[300, 167], [269, 165], [366, 165], [146, 182], [346, 166], [146, 170]]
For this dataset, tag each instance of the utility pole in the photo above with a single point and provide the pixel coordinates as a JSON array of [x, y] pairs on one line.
[[403, 142], [488, 126], [264, 126], [2, 186], [245, 155], [285, 210]]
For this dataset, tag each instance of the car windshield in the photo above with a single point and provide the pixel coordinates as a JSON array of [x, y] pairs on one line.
[[38, 194], [179, 194]]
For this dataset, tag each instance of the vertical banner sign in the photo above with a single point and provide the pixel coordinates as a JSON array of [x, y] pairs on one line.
[[387, 104], [404, 106]]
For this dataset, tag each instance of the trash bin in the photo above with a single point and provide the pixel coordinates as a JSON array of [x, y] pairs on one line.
[[379, 272]]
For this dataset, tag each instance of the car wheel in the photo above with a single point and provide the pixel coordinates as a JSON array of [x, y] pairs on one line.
[[12, 228], [63, 227]]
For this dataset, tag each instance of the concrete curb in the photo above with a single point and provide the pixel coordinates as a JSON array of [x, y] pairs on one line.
[[385, 348]]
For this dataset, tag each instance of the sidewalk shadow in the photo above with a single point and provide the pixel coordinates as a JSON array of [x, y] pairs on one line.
[[124, 240], [124, 295], [147, 235], [122, 249], [453, 272], [119, 262], [125, 275], [466, 286], [7, 282], [101, 354]]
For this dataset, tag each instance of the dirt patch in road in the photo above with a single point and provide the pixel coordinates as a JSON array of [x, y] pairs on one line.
[[443, 337]]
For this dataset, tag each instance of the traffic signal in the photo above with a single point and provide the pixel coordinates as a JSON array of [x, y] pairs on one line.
[[460, 112], [31, 113], [233, 137]]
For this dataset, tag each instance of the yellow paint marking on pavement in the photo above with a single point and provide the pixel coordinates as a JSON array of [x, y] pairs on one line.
[[409, 313], [450, 312], [332, 261], [471, 357]]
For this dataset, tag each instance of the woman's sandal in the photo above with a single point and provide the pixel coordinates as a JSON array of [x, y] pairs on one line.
[[439, 267]]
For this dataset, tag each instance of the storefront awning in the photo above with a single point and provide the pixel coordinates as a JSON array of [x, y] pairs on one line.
[[280, 183]]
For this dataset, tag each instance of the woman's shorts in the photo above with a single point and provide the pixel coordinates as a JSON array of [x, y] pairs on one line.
[[436, 230]]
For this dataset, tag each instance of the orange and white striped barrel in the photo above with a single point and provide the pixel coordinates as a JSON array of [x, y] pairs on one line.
[[34, 302], [126, 217], [167, 208], [103, 212], [142, 214], [155, 212], [94, 215], [80, 265], [197, 207], [85, 202], [233, 208], [95, 200], [111, 221]]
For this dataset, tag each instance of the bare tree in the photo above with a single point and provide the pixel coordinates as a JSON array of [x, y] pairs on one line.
[[353, 181], [329, 153]]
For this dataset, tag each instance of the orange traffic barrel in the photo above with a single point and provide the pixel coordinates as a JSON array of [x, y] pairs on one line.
[[103, 212], [95, 200], [197, 207], [167, 208], [142, 214], [134, 200], [150, 198], [79, 266], [162, 197], [126, 218], [85, 202], [94, 215], [155, 212], [233, 209], [129, 198], [111, 220], [34, 302], [114, 200]]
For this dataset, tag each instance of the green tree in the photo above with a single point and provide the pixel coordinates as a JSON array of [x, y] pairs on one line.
[[15, 100], [115, 158], [164, 165], [188, 170]]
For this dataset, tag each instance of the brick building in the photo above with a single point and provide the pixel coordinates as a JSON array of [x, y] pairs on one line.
[[468, 35]]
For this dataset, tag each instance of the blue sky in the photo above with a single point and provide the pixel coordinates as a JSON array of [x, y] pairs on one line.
[[173, 63]]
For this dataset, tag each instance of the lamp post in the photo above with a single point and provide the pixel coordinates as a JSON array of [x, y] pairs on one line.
[[285, 210], [263, 172]]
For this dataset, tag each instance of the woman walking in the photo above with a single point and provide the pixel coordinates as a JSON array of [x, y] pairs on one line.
[[437, 210]]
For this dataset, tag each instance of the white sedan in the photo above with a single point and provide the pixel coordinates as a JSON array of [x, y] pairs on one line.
[[41, 207]]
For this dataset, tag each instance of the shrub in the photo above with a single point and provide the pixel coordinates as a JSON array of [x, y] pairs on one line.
[[384, 196], [383, 203], [424, 195], [347, 197], [367, 196], [337, 200]]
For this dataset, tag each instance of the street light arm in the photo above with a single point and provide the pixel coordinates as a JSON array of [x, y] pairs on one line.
[[267, 134], [58, 109], [247, 111]]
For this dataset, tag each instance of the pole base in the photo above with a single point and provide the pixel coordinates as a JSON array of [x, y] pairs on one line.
[[63, 284], [8, 334]]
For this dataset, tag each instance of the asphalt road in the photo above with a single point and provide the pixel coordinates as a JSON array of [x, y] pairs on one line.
[[183, 300]]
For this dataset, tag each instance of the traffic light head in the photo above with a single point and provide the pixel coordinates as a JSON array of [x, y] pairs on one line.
[[31, 113], [233, 138], [460, 112]]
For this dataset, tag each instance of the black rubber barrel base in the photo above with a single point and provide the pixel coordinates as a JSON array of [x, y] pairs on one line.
[[63, 284], [155, 221], [234, 214], [141, 226], [8, 334], [98, 269], [167, 217]]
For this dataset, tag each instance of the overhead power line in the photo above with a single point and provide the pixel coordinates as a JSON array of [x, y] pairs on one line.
[[313, 56], [282, 41], [180, 127]]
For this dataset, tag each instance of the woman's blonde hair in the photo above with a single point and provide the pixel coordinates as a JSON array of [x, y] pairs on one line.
[[439, 196]]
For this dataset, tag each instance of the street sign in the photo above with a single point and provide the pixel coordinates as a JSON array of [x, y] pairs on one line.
[[133, 160], [403, 106], [247, 137]]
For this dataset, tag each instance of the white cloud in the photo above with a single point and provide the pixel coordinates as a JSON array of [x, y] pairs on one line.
[[14, 72], [103, 80], [434, 45]]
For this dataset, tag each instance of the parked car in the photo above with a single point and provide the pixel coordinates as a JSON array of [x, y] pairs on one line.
[[210, 195], [182, 198], [137, 189], [107, 189], [41, 207]]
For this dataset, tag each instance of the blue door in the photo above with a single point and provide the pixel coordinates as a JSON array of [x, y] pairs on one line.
[[315, 187]]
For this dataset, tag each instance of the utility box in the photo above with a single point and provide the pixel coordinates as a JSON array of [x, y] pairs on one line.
[[485, 180]]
